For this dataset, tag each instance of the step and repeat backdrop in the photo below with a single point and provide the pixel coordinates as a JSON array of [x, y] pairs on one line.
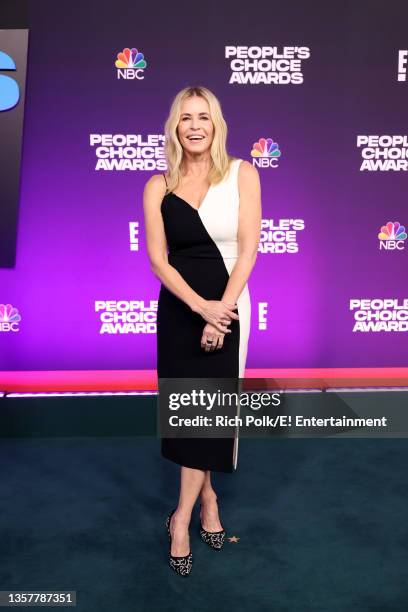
[[315, 97]]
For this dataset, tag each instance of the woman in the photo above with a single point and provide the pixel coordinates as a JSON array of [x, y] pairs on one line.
[[211, 230]]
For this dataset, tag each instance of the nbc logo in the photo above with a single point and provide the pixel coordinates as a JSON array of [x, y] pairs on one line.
[[9, 318], [392, 236], [130, 64], [265, 153]]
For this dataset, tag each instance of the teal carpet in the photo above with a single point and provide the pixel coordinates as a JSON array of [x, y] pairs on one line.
[[322, 525]]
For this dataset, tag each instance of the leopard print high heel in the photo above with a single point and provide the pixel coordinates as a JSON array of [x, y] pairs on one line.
[[215, 539], [181, 565]]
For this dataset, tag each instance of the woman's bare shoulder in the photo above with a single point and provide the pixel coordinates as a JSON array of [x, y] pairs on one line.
[[155, 184], [248, 172]]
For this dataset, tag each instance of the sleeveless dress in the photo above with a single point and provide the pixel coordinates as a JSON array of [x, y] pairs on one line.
[[203, 247]]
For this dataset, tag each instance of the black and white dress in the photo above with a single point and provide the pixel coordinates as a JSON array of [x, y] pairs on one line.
[[203, 247]]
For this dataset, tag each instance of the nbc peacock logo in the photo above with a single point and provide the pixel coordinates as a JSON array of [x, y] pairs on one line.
[[9, 318], [392, 236], [265, 153], [130, 64]]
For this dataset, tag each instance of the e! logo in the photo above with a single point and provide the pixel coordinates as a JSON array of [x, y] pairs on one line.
[[9, 89]]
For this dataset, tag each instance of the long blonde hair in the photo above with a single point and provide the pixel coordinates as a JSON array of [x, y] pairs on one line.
[[173, 150]]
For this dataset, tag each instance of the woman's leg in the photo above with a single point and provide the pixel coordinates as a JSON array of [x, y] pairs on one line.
[[191, 482], [209, 507]]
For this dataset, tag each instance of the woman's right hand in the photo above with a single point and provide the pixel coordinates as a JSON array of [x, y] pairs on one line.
[[219, 314]]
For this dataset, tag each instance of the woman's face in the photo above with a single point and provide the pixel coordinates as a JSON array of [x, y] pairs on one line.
[[195, 120]]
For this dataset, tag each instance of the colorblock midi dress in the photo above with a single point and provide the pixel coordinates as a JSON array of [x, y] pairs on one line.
[[203, 247]]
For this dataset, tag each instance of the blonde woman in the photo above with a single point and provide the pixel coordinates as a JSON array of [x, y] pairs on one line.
[[203, 221]]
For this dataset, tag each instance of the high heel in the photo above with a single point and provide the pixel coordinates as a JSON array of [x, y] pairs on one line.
[[181, 565], [215, 539]]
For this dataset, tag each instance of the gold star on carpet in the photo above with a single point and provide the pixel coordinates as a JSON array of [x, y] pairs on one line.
[[234, 539]]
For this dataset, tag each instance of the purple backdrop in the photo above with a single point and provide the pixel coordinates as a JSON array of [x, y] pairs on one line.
[[74, 247]]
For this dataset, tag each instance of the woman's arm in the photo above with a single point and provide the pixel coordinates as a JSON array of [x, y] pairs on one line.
[[249, 230], [212, 311]]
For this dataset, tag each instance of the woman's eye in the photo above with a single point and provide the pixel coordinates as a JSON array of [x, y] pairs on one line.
[[186, 118]]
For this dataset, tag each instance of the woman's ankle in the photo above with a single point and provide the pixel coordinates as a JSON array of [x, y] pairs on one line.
[[182, 517]]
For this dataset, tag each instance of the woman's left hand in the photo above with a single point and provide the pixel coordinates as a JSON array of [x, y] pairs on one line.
[[211, 333]]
